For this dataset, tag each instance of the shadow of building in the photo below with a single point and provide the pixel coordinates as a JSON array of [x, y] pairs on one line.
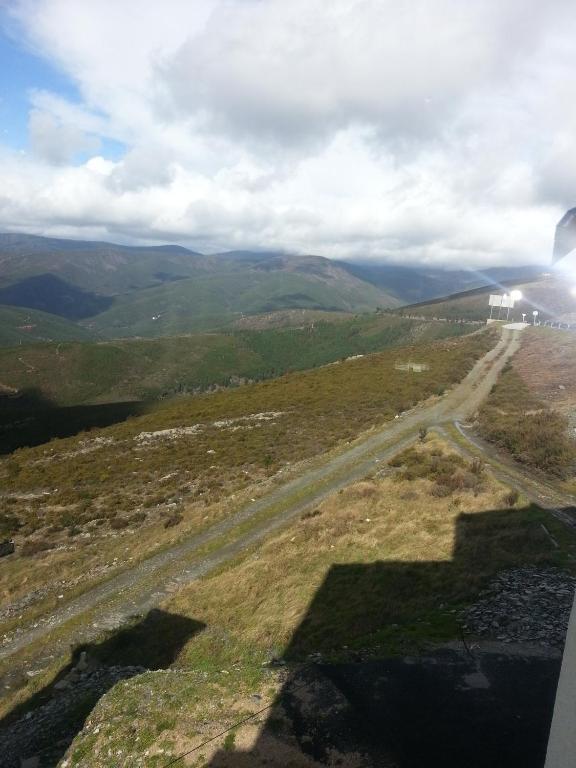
[[447, 708], [46, 725]]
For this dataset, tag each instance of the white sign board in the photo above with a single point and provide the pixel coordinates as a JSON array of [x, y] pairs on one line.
[[496, 300]]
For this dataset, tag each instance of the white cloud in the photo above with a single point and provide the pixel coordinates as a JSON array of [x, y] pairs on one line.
[[435, 131], [55, 142]]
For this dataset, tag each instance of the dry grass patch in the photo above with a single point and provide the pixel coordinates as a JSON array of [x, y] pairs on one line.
[[534, 434], [73, 495], [399, 550], [383, 566]]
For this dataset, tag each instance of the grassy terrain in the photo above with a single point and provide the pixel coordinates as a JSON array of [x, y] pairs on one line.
[[28, 326], [520, 423], [385, 566], [547, 364], [131, 370], [288, 318], [68, 503], [530, 412]]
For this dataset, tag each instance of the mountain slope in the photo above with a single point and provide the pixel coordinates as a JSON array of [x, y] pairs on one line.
[[550, 296], [418, 284], [103, 268], [27, 326], [215, 300], [128, 369], [124, 288]]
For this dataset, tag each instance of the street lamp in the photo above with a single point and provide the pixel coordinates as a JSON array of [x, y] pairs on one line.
[[535, 315], [523, 317]]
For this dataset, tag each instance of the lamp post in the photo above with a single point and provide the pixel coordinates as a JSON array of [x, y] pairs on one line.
[[504, 301], [523, 318], [534, 315]]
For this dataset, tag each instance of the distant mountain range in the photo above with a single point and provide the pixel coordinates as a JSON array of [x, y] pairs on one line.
[[121, 291]]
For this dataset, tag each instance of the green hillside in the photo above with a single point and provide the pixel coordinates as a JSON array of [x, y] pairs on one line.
[[28, 326], [133, 370], [154, 291], [216, 300]]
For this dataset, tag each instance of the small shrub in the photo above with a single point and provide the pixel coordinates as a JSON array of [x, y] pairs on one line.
[[477, 466], [9, 524], [422, 433], [118, 523], [511, 498], [441, 491], [229, 741], [174, 519], [34, 546]]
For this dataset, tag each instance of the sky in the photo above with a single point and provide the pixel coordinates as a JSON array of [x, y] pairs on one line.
[[434, 132]]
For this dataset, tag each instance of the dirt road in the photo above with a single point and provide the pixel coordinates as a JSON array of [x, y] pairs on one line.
[[108, 605]]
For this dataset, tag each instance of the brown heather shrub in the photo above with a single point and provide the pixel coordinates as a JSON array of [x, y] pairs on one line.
[[118, 523], [34, 546], [522, 425], [174, 519], [448, 472], [511, 498]]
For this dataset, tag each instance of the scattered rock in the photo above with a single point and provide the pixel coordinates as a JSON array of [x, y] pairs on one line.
[[524, 605], [32, 737]]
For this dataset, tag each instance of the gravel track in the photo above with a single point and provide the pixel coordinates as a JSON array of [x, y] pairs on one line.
[[109, 604]]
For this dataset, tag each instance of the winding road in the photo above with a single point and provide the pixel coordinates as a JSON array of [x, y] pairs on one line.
[[109, 604]]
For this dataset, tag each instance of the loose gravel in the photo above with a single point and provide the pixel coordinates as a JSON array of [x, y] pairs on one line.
[[524, 605]]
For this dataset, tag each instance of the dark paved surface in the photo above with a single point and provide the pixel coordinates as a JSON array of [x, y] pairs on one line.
[[449, 710], [443, 710]]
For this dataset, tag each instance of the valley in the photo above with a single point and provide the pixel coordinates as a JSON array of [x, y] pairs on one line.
[[303, 482], [287, 384], [122, 370]]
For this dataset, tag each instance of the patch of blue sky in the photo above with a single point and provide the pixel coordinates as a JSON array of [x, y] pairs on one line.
[[111, 149], [21, 73]]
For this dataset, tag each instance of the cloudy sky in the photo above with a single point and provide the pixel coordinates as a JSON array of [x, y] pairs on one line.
[[428, 131]]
